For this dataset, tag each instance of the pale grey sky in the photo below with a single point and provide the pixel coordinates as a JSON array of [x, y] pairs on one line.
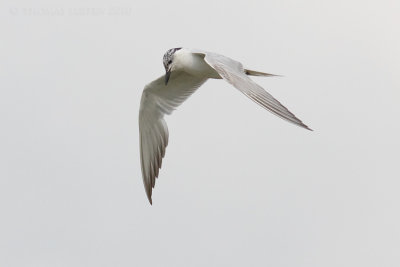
[[239, 186]]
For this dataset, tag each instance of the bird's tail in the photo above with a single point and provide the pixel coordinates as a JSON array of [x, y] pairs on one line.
[[257, 73]]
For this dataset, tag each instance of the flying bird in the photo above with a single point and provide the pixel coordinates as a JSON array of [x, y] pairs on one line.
[[185, 71]]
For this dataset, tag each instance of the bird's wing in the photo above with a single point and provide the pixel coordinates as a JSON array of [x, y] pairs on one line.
[[159, 99], [233, 72]]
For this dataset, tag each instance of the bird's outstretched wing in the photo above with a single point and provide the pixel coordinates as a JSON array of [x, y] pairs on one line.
[[159, 99], [233, 72]]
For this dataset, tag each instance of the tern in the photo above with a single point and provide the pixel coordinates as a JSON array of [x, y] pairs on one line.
[[185, 71]]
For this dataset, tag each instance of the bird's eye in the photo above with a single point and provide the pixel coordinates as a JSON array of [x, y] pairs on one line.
[[169, 62]]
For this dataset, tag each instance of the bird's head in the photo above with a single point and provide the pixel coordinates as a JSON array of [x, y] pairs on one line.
[[168, 61]]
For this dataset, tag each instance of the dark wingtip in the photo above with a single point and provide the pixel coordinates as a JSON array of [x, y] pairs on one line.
[[307, 128], [148, 193], [150, 200]]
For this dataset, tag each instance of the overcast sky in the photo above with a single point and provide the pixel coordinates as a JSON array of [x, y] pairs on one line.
[[239, 186]]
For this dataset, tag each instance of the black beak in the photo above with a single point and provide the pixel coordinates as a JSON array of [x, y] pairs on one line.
[[167, 74]]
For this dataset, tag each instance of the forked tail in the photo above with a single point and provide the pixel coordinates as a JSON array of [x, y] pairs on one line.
[[258, 73]]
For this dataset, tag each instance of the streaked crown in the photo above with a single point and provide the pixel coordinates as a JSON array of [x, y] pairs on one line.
[[167, 59]]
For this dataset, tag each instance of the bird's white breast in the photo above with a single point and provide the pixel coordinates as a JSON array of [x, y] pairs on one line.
[[194, 64]]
